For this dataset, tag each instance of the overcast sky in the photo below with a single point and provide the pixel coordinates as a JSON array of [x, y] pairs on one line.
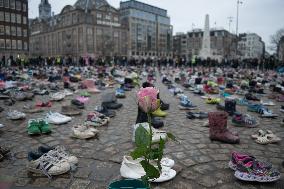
[[263, 17]]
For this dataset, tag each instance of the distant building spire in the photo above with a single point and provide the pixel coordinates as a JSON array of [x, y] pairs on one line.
[[44, 9]]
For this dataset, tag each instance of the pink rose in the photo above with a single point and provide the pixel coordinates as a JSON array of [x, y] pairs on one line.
[[147, 99]]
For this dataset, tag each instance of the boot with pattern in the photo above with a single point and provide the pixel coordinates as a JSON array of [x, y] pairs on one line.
[[218, 128]]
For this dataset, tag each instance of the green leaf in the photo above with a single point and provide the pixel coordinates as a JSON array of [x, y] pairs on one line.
[[142, 137], [138, 152], [151, 171], [172, 137], [154, 154]]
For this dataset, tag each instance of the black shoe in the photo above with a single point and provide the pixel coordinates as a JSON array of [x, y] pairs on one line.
[[230, 106], [44, 149], [105, 111], [220, 107], [164, 106], [78, 104], [196, 115], [142, 118], [112, 105]]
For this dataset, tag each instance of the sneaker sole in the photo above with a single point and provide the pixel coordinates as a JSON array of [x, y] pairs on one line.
[[253, 178], [186, 108], [232, 166], [52, 174]]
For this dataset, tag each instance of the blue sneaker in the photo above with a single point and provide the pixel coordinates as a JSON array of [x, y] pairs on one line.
[[120, 93], [243, 102], [186, 104]]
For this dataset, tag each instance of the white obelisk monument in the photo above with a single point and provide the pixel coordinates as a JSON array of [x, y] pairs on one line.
[[205, 52]]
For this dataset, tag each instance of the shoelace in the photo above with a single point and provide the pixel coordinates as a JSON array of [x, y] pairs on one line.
[[44, 159]]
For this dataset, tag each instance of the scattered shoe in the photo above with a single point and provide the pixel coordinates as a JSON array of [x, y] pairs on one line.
[[15, 115], [197, 115], [57, 118], [84, 132], [120, 93], [157, 134], [252, 172], [218, 128], [213, 100], [266, 137], [159, 112], [47, 165], [132, 169], [70, 110], [57, 96], [105, 111], [244, 120], [77, 104], [96, 119]]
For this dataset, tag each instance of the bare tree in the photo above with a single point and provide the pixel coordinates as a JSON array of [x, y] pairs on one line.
[[275, 38]]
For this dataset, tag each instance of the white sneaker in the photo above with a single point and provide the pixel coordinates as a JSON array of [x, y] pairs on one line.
[[157, 134], [83, 132], [60, 153], [269, 114], [132, 169], [1, 125], [48, 165], [57, 118], [57, 96], [15, 115], [67, 92]]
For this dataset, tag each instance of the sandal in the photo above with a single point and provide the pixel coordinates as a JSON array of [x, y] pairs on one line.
[[268, 138], [260, 133]]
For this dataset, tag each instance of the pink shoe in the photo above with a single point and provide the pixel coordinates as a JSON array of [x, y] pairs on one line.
[[93, 90], [82, 99], [240, 159]]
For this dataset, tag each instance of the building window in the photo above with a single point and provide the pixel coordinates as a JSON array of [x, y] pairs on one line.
[[7, 30], [19, 19], [2, 44], [7, 16], [25, 33], [19, 44], [18, 5], [115, 19], [25, 46], [107, 17], [99, 32], [13, 18], [12, 4], [8, 44], [1, 3], [74, 18], [1, 16], [115, 34], [24, 20], [19, 31], [14, 44], [24, 7], [2, 30], [13, 31], [99, 15], [6, 3]]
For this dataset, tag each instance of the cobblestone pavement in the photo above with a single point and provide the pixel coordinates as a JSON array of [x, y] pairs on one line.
[[200, 163]]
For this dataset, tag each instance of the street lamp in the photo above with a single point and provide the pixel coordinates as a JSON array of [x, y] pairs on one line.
[[230, 22], [237, 25]]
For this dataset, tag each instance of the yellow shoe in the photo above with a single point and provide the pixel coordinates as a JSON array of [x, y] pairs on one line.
[[213, 100], [159, 112]]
